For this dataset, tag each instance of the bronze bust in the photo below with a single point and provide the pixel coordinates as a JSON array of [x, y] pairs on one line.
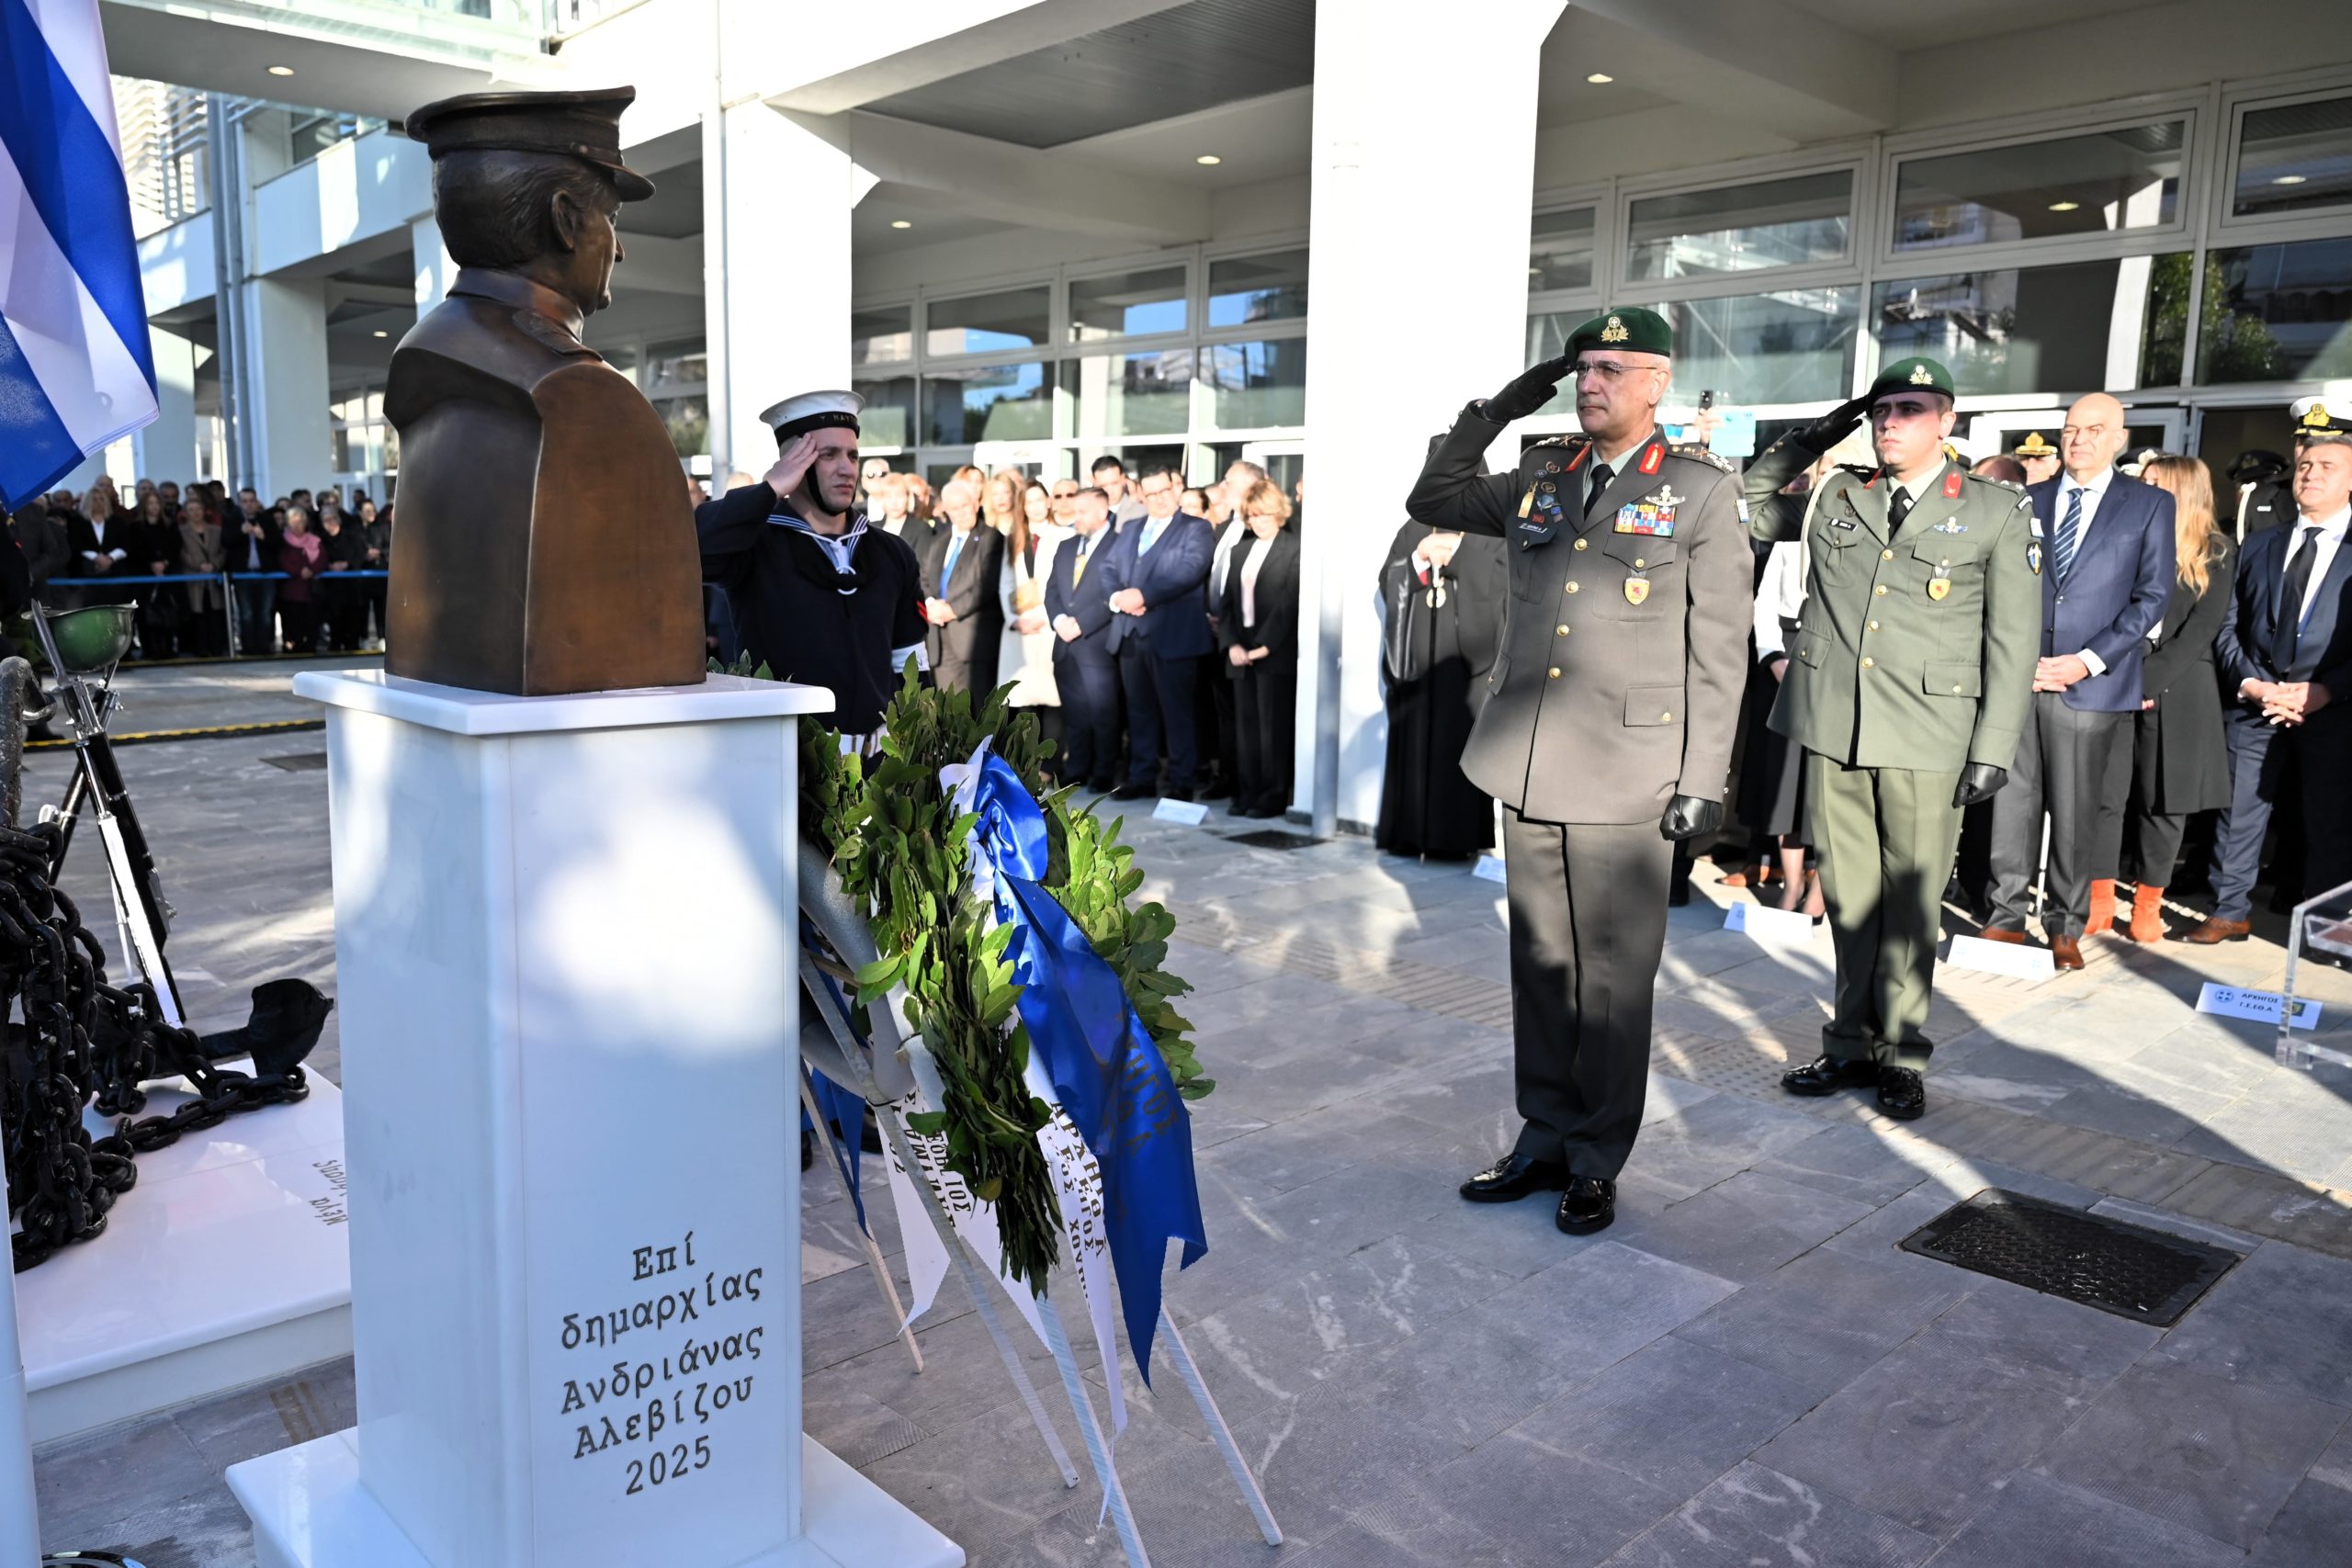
[[547, 545]]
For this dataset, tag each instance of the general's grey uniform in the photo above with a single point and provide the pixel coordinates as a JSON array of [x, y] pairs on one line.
[[1617, 688], [1914, 657]]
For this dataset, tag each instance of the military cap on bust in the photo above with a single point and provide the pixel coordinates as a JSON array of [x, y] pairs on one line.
[[805, 412], [2316, 421], [1914, 375], [1645, 331], [582, 125], [2035, 445]]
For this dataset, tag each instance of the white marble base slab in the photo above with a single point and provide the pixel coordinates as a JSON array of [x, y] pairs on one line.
[[226, 1265], [2014, 959], [309, 1510]]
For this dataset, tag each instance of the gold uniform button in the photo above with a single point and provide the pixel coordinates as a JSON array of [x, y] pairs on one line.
[[1886, 555], [1879, 591], [1639, 563], [1559, 631], [1873, 625], [1867, 664], [1955, 690], [1580, 544], [1555, 672], [1572, 588], [1666, 718]]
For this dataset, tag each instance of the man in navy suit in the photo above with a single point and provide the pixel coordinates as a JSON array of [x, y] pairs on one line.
[[2284, 652], [2107, 569], [1086, 672], [1162, 635]]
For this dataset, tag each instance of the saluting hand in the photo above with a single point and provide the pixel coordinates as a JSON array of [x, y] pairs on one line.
[[792, 463], [1528, 391], [1836, 424]]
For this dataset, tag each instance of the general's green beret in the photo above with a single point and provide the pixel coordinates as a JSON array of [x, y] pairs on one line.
[[1917, 375], [1634, 328]]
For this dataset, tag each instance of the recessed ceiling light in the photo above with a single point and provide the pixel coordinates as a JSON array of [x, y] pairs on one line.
[[1600, 78], [901, 223], [1208, 160], [2064, 206], [2288, 180], [281, 70], [381, 333]]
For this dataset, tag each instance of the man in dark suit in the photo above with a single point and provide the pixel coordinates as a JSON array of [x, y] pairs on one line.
[[2107, 543], [1161, 636], [1086, 673], [961, 563], [2285, 650]]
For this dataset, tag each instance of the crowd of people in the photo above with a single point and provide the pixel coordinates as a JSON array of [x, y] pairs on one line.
[[304, 571]]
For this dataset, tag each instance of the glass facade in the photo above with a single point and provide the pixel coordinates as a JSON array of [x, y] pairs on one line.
[[1256, 386], [2024, 329], [994, 403], [1559, 251], [1790, 347], [2294, 158], [1131, 394], [2277, 312], [1127, 304], [1246, 291], [882, 335], [978, 324], [2126, 178], [1794, 222]]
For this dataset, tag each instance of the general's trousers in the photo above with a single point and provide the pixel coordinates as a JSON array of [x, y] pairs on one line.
[[1886, 838], [2066, 768], [1588, 923]]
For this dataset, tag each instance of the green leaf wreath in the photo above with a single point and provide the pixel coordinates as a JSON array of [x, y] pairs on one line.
[[895, 837]]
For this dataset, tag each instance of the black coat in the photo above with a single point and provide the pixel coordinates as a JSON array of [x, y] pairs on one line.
[[2180, 763], [1276, 599], [1437, 657], [963, 651]]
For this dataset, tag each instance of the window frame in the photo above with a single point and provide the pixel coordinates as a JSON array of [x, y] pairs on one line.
[[2227, 230], [1854, 161]]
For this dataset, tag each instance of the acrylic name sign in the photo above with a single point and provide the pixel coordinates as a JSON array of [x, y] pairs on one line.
[[2258, 1006]]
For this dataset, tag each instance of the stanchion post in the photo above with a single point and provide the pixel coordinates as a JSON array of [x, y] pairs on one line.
[[228, 611]]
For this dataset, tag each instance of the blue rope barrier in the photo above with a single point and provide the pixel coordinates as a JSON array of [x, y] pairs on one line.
[[133, 581]]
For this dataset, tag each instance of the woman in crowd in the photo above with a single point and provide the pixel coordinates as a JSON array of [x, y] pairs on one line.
[[1000, 504], [300, 557], [376, 542], [1258, 629], [156, 553], [343, 602], [2180, 763], [1025, 658], [1772, 777], [203, 550]]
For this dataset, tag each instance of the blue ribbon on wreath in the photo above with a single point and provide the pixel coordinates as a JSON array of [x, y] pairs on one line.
[[1105, 1069]]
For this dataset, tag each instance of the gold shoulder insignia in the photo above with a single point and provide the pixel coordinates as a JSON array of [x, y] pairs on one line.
[[1702, 455], [1564, 441]]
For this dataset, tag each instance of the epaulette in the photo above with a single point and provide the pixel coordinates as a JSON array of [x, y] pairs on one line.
[[1702, 455], [2009, 485], [1859, 471], [1564, 441]]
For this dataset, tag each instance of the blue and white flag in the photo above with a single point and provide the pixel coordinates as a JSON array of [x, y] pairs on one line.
[[75, 368]]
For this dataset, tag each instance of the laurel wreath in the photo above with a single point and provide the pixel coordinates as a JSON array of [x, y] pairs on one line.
[[895, 838]]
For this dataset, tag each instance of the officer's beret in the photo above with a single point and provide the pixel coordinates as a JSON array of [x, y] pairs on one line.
[[2035, 445], [1917, 375], [805, 412], [2315, 422], [1634, 328], [582, 125]]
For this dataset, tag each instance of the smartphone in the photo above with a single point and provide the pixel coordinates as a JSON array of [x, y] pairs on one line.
[[1706, 400]]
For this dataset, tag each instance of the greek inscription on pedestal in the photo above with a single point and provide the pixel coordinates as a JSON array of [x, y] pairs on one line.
[[686, 1339]]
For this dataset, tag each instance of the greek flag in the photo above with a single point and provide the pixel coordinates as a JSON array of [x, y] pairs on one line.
[[75, 369]]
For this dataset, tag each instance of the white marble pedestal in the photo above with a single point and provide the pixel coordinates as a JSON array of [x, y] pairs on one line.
[[569, 1022]]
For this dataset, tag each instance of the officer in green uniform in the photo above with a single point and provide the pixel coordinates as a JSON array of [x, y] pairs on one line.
[[1911, 680], [1607, 729]]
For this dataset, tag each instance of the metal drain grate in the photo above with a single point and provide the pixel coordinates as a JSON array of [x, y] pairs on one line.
[[2141, 1274], [1273, 839], [300, 762]]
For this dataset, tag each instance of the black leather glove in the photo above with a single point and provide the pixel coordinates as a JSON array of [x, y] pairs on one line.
[[1979, 781], [1687, 816], [1530, 391], [1836, 425]]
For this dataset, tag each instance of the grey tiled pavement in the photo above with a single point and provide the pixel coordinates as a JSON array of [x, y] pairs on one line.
[[1745, 1370]]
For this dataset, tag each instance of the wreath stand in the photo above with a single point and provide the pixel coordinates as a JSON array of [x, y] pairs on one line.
[[886, 1071]]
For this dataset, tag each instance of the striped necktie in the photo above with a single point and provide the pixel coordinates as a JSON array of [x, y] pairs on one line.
[[2070, 533]]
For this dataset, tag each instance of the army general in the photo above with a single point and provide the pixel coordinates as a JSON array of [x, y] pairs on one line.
[[1912, 675], [1607, 730]]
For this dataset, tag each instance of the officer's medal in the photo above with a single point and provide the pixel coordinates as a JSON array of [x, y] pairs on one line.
[[1939, 585], [1636, 590]]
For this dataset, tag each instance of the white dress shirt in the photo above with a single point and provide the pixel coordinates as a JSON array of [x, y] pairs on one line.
[[1232, 534], [1250, 564], [1780, 597]]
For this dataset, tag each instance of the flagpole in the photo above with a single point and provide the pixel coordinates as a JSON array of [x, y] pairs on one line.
[[20, 1521]]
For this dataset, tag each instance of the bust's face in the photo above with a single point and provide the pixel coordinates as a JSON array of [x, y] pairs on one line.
[[596, 246]]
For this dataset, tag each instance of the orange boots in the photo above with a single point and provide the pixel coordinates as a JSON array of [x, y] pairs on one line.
[[2102, 917], [2147, 914]]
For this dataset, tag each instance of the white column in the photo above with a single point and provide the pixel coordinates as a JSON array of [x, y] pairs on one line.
[[778, 196], [166, 449], [1404, 333], [287, 397], [435, 267]]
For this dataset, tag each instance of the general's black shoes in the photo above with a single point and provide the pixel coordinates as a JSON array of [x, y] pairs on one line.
[[1828, 1074], [1513, 1177], [1902, 1093], [1587, 1205]]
